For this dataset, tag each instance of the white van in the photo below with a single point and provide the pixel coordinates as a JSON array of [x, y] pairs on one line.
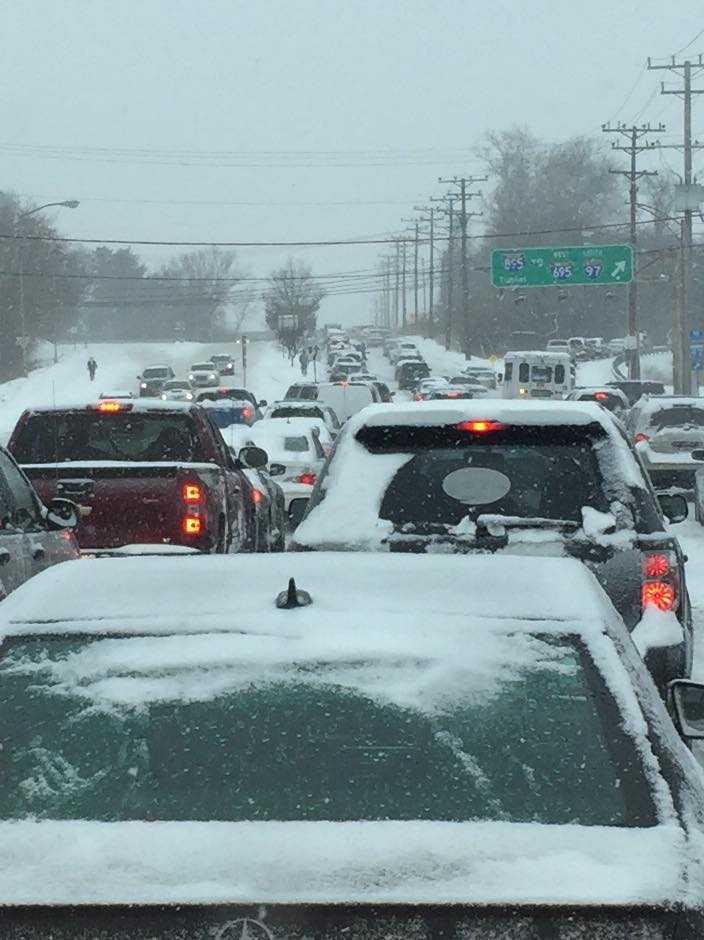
[[345, 399], [539, 374]]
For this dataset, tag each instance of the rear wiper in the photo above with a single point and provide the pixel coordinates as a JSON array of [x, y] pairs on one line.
[[491, 521]]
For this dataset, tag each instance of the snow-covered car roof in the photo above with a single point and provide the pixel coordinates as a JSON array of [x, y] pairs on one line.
[[117, 596], [504, 411], [223, 404], [133, 404], [650, 404]]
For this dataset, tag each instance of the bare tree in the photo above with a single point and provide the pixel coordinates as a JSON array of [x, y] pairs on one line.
[[291, 303]]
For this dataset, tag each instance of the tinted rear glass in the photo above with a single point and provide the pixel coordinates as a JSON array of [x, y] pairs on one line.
[[679, 416], [292, 411], [155, 373], [532, 472], [90, 435]]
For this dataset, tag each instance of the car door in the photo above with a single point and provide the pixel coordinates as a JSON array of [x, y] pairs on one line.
[[42, 546]]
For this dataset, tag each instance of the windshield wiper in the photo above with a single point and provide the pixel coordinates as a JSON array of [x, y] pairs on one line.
[[491, 521]]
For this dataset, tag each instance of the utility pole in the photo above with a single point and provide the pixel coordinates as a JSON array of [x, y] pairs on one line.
[[633, 135], [462, 182], [415, 266], [681, 355], [431, 268], [403, 286], [397, 286], [450, 212]]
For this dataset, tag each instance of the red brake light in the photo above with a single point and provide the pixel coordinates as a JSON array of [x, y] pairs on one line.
[[191, 525], [601, 396], [192, 493], [307, 478], [640, 437], [453, 394], [247, 412], [659, 594], [257, 497], [656, 565], [480, 427]]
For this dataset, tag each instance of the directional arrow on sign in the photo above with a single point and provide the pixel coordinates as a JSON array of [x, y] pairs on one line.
[[619, 269]]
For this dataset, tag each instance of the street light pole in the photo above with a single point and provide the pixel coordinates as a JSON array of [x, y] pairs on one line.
[[66, 204]]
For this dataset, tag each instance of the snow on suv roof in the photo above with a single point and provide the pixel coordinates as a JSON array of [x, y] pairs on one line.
[[506, 412], [651, 404]]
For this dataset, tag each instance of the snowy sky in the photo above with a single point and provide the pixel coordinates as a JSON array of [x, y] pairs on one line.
[[319, 76]]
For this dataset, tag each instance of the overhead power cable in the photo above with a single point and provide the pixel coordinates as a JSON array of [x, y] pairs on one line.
[[322, 243]]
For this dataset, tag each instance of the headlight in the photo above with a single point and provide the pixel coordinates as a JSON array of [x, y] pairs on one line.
[[189, 396], [143, 385]]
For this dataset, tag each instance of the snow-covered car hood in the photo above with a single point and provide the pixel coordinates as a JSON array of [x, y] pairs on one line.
[[81, 862]]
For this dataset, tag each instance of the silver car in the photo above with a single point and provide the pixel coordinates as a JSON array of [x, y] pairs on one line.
[[668, 433]]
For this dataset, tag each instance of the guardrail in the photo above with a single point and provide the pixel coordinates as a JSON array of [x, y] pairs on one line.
[[620, 361]]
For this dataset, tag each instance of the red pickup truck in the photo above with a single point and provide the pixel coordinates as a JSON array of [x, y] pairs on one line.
[[141, 471]]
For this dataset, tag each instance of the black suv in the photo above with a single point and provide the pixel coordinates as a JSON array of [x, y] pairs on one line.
[[532, 478]]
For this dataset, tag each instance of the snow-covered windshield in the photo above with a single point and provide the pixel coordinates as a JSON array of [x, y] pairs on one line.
[[116, 729]]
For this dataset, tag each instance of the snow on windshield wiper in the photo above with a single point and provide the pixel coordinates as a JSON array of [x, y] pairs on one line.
[[494, 523]]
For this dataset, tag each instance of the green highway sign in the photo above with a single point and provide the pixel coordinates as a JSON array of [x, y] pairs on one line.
[[545, 267]]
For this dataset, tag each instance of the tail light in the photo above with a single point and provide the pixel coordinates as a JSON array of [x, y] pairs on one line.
[[192, 525], [257, 497], [307, 478], [601, 396], [656, 565], [192, 493], [660, 588], [480, 427], [660, 594], [640, 437], [247, 413]]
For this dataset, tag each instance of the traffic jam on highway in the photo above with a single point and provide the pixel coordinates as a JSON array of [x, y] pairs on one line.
[[219, 687]]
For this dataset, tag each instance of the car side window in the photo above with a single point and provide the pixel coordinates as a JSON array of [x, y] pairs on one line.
[[24, 510]]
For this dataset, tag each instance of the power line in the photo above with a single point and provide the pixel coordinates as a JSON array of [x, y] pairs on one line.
[[629, 95], [691, 42], [320, 243]]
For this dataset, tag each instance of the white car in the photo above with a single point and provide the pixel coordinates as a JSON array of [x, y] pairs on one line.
[[404, 351], [305, 409], [178, 390], [203, 375], [297, 447], [668, 434]]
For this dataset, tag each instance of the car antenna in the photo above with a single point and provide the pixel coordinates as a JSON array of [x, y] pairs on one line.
[[292, 597]]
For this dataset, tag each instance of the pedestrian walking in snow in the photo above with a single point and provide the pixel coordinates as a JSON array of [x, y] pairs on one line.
[[92, 367], [304, 360]]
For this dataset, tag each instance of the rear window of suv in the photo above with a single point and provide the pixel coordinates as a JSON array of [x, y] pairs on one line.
[[679, 416], [132, 436], [535, 472]]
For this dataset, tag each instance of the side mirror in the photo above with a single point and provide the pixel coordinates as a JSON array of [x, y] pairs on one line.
[[61, 514], [698, 455], [253, 457], [674, 506], [296, 512], [263, 403], [276, 470], [499, 376], [687, 701]]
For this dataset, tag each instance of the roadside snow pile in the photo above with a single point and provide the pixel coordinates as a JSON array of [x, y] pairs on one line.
[[443, 361]]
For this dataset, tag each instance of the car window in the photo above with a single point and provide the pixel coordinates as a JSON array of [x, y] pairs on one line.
[[297, 444], [156, 373], [679, 416], [559, 374], [90, 436], [543, 745], [451, 475], [523, 372], [21, 506]]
